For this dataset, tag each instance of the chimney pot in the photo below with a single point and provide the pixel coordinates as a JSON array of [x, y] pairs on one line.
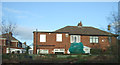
[[80, 24]]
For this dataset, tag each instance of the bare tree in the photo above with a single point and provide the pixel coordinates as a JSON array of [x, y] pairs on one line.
[[115, 23], [7, 26]]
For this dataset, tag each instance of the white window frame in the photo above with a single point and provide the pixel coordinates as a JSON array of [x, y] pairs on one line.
[[42, 37], [42, 50], [59, 37], [72, 38], [59, 50], [94, 39]]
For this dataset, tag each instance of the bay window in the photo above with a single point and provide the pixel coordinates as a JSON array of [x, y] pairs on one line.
[[75, 38]]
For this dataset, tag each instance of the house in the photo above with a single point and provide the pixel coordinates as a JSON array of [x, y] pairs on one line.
[[10, 43], [59, 41]]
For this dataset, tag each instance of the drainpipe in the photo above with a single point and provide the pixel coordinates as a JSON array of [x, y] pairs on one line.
[[110, 40], [36, 39]]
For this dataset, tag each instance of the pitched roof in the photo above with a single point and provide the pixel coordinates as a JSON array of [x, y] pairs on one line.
[[6, 35], [82, 30]]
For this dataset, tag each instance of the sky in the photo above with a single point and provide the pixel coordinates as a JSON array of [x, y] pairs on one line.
[[50, 16]]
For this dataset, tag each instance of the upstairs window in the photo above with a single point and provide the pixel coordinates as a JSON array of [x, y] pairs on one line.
[[42, 38], [59, 37], [93, 39]]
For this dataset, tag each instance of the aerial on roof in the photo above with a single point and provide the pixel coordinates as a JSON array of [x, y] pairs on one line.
[[82, 30]]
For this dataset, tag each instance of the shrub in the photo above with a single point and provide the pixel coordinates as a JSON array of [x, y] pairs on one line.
[[96, 51]]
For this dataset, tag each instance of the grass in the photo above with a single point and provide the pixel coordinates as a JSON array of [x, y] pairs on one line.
[[51, 58]]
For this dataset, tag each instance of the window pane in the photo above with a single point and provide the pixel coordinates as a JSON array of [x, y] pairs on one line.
[[93, 40], [78, 38], [43, 51], [73, 38], [96, 40], [90, 40], [59, 37], [42, 38], [61, 49]]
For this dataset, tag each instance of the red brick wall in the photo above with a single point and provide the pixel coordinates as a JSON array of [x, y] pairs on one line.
[[51, 40], [102, 44], [13, 45], [114, 40]]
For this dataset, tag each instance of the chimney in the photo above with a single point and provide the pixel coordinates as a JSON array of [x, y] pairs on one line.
[[10, 33], [80, 24]]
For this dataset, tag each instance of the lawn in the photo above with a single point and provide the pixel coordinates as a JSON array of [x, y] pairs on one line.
[[51, 58]]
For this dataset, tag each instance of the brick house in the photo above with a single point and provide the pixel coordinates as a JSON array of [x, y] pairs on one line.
[[59, 41], [15, 45]]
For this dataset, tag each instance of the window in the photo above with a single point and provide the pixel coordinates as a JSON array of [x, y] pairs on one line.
[[93, 39], [75, 38], [43, 51], [59, 50], [42, 38], [66, 35], [59, 37]]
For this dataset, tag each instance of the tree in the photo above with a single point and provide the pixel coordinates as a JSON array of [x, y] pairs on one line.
[[27, 49], [114, 21], [7, 26], [114, 27]]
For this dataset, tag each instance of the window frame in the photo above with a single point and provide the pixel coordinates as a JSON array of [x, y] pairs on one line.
[[41, 38], [43, 51], [59, 37], [73, 37], [94, 39]]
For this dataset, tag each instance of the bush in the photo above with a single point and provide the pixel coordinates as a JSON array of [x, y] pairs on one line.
[[96, 51], [17, 56]]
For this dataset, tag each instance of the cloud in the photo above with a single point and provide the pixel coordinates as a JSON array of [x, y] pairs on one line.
[[13, 10], [24, 33], [21, 13]]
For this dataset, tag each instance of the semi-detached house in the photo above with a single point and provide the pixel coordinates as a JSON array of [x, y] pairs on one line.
[[10, 44], [59, 41]]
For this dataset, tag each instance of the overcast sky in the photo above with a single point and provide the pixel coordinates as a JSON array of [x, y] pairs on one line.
[[50, 16]]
